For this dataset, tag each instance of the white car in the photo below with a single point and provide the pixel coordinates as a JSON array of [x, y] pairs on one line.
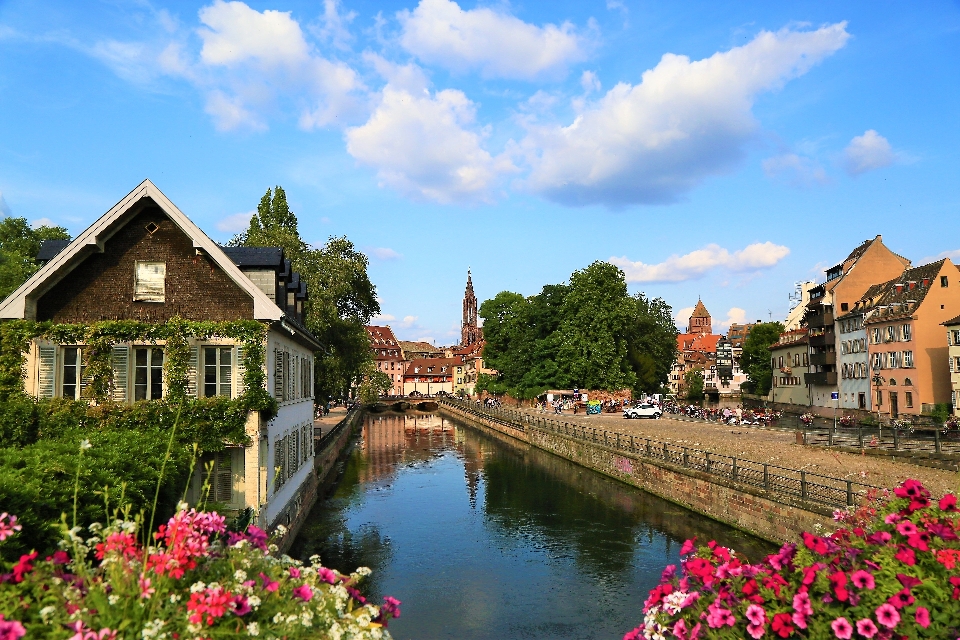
[[643, 411]]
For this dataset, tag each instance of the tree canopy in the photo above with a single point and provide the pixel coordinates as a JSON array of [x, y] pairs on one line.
[[755, 359], [19, 244], [590, 333], [341, 297]]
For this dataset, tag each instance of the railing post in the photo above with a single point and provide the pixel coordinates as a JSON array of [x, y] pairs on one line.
[[666, 455], [803, 485], [708, 461], [649, 449], [829, 437], [849, 493], [860, 435], [633, 447], [686, 458], [766, 477], [896, 439], [936, 440], [734, 469], [618, 440]]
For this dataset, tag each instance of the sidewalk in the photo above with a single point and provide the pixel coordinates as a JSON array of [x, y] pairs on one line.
[[767, 445], [322, 426]]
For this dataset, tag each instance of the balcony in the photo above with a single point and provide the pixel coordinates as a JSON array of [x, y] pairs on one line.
[[821, 359], [821, 340], [824, 319], [821, 378]]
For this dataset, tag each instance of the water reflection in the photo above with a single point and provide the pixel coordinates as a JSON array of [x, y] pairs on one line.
[[483, 537]]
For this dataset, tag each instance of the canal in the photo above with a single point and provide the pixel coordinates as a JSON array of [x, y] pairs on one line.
[[481, 536]]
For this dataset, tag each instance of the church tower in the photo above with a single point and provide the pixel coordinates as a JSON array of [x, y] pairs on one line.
[[700, 321], [469, 333]]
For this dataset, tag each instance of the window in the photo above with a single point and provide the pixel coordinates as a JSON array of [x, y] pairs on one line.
[[906, 332], [862, 400], [147, 373], [804, 359], [908, 399], [907, 382], [218, 468], [780, 362], [908, 359], [70, 385], [877, 361], [217, 371], [844, 306], [149, 281], [944, 281], [891, 334], [956, 337]]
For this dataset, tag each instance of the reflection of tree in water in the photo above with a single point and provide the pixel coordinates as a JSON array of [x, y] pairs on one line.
[[603, 518]]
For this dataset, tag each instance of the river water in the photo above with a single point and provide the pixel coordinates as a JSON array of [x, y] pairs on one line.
[[483, 537]]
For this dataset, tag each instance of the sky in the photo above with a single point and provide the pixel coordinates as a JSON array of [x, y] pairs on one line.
[[725, 151]]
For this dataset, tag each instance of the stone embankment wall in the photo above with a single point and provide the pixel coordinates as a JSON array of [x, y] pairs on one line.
[[775, 518]]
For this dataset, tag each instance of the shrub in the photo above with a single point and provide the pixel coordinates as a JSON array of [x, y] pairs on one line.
[[891, 570], [193, 580]]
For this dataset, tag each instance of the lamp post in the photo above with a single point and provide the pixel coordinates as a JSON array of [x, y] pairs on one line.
[[878, 381]]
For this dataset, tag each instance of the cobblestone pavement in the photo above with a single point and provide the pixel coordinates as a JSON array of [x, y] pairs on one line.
[[329, 421], [771, 446]]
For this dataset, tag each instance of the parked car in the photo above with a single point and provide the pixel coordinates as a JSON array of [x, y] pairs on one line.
[[643, 411]]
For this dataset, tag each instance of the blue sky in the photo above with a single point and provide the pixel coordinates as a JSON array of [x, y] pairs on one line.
[[721, 150]]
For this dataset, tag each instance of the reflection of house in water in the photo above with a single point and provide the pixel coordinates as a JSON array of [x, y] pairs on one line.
[[391, 439]]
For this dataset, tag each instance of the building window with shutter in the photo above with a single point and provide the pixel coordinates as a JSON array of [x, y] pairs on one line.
[[147, 373], [908, 399], [217, 371], [278, 466], [71, 373], [149, 281], [219, 476]]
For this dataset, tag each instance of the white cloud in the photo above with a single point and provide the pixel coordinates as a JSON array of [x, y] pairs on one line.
[[681, 317], [429, 339], [385, 253], [42, 222], [795, 170], [868, 152], [590, 82], [954, 256], [735, 315], [382, 317], [653, 142], [408, 321], [4, 207], [499, 45], [753, 257], [235, 33], [236, 223], [334, 24], [427, 145]]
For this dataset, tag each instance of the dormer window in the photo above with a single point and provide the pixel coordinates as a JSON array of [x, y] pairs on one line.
[[149, 281]]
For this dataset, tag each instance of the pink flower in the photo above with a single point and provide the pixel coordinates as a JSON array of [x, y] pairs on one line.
[[756, 631], [7, 529], [145, 589], [294, 572], [892, 518], [303, 592], [269, 584], [326, 575], [947, 503], [801, 604], [11, 629], [906, 528], [923, 617], [887, 615], [842, 628], [756, 615], [688, 547], [863, 579], [717, 616], [866, 628], [240, 605]]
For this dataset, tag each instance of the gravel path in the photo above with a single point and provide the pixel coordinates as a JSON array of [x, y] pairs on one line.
[[773, 447]]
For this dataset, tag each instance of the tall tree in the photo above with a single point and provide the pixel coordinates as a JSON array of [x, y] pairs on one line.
[[755, 359], [341, 297], [589, 333], [19, 244]]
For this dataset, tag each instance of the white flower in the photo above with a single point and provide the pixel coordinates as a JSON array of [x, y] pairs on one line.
[[277, 619], [253, 629], [363, 571], [315, 560], [46, 613], [85, 444], [113, 599], [95, 527], [197, 587], [306, 618], [174, 598], [152, 629], [272, 548], [253, 601], [281, 530]]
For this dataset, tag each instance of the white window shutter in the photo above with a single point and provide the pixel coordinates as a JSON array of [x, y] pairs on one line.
[[192, 366], [278, 374], [47, 367], [240, 371], [223, 482], [120, 360], [85, 379]]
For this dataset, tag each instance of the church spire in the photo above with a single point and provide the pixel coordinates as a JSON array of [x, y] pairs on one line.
[[469, 333]]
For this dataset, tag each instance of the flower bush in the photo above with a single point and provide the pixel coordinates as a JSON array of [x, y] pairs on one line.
[[193, 580], [807, 419], [847, 421], [892, 570]]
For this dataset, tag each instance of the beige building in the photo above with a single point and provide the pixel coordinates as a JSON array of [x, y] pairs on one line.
[[789, 359], [953, 364]]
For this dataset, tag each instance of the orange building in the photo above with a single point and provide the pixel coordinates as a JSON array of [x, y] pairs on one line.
[[388, 355], [906, 343], [696, 349]]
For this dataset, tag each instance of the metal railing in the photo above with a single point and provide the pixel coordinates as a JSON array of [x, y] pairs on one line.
[[319, 444], [890, 438], [796, 483]]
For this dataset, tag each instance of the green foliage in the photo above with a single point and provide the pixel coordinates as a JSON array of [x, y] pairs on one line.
[[755, 359], [375, 383], [941, 412], [589, 333], [694, 384], [19, 244], [123, 466], [341, 298]]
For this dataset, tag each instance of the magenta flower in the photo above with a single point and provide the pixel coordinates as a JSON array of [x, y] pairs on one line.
[[717, 616], [923, 617], [240, 605], [906, 528], [862, 579], [327, 575], [303, 592], [801, 604], [842, 628], [892, 518], [269, 584], [688, 547], [11, 629], [866, 628], [756, 631], [294, 572], [887, 615]]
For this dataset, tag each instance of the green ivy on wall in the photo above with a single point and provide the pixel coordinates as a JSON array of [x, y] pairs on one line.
[[99, 338]]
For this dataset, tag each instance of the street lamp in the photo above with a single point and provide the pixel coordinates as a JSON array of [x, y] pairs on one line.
[[878, 380]]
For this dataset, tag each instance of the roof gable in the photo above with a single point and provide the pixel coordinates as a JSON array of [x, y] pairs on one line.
[[21, 304]]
